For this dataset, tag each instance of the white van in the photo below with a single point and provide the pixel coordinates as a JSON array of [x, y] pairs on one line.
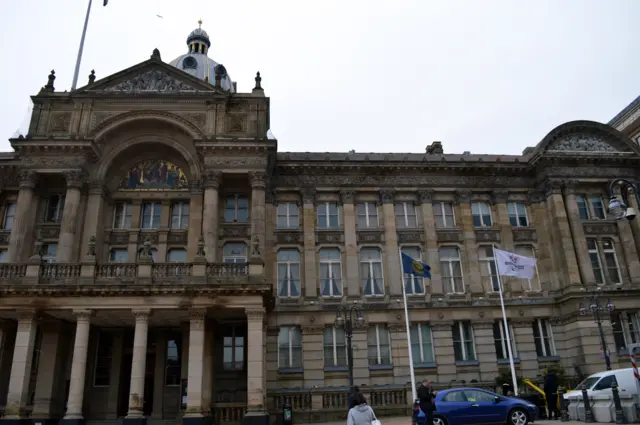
[[600, 383]]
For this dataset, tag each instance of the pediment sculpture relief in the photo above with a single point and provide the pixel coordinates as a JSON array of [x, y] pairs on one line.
[[153, 80], [584, 143], [154, 175]]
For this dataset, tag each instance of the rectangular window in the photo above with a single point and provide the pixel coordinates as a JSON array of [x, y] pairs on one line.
[[371, 271], [500, 337], [289, 348], [9, 216], [444, 215], [173, 364], [611, 261], [534, 283], [49, 252], [597, 208], [151, 212], [451, 270], [234, 252], [367, 213], [122, 215], [4, 258], [233, 348], [414, 285], [335, 347], [328, 217], [626, 329], [288, 216], [422, 344], [596, 263], [518, 214], [236, 209], [481, 213], [590, 207], [180, 215], [543, 336], [288, 273], [177, 255], [406, 215], [463, 346], [488, 269], [118, 256], [102, 369], [379, 345], [53, 212], [330, 273]]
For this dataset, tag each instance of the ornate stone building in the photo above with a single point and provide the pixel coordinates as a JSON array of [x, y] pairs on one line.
[[162, 261]]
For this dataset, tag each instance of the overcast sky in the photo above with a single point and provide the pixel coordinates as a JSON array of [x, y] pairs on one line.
[[488, 76]]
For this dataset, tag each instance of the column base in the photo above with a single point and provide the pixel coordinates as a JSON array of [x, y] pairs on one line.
[[197, 420], [74, 421], [134, 421], [255, 418]]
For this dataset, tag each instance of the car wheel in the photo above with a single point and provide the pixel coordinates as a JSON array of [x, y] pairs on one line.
[[439, 420], [518, 417]]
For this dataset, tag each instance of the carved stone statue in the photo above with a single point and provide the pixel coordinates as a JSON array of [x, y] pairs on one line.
[[152, 80], [145, 252], [38, 247], [255, 246], [91, 252], [200, 252], [92, 77]]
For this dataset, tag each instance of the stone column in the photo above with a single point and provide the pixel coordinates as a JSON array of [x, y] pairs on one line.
[[256, 410], [69, 225], [25, 208], [210, 214], [207, 370], [431, 255], [78, 367], [547, 265], [352, 287], [485, 349], [195, 222], [391, 258], [18, 395], [471, 276], [47, 391], [578, 237], [195, 367], [443, 350], [310, 276], [94, 219], [138, 366], [258, 185], [631, 258]]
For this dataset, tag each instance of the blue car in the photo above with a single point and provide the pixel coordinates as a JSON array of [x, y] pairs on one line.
[[473, 406]]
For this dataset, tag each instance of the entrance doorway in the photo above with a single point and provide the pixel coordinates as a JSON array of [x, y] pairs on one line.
[[125, 377]]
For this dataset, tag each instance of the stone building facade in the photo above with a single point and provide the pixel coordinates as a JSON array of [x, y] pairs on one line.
[[163, 262]]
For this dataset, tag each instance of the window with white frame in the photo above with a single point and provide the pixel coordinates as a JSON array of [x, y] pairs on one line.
[[414, 285], [335, 347], [288, 215], [596, 263], [500, 335], [288, 273], [488, 269], [53, 212], [444, 215], [234, 252], [591, 207], [463, 346], [236, 209], [451, 270], [367, 215], [289, 347], [151, 213], [118, 255], [481, 213], [177, 255], [421, 343], [532, 284], [102, 368], [9, 215], [330, 272], [518, 214], [49, 252], [233, 341], [406, 215], [611, 261], [626, 329], [379, 345], [543, 337], [180, 215], [122, 214], [328, 217], [371, 271]]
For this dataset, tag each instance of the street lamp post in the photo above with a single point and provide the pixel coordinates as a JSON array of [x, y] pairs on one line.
[[594, 307], [344, 317], [622, 209]]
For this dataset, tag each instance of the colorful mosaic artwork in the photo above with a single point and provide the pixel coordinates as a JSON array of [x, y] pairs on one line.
[[154, 175]]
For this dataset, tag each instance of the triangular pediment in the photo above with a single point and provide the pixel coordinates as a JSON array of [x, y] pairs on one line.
[[149, 77]]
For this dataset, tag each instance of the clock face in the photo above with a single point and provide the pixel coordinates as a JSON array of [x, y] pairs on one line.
[[189, 62]]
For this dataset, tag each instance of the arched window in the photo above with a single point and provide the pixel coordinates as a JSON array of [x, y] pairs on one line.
[[234, 252]]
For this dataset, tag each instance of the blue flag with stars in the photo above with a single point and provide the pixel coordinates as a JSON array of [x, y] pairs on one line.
[[415, 267]]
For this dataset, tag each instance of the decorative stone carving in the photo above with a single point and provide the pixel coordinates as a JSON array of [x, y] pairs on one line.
[[258, 179], [153, 80], [48, 230], [83, 315], [463, 196], [500, 196], [347, 196], [449, 235], [237, 105], [289, 237], [487, 235], [387, 196], [50, 161], [119, 238], [313, 330], [569, 186], [200, 251], [98, 117], [234, 162], [177, 237], [600, 228], [255, 246], [535, 196], [212, 179], [149, 236], [255, 313], [524, 235], [370, 236], [425, 196], [409, 236], [196, 118], [59, 122], [551, 187], [145, 252], [38, 247], [91, 250], [583, 143], [234, 230], [74, 179], [236, 123], [28, 179], [153, 175], [308, 195], [197, 314], [329, 237]]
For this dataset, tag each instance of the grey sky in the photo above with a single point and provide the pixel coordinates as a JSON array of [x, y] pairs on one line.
[[489, 76]]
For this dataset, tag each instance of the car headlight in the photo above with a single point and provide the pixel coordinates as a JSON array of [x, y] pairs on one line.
[[531, 406]]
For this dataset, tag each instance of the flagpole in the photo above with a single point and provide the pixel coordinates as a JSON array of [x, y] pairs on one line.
[[414, 389], [81, 48], [506, 326]]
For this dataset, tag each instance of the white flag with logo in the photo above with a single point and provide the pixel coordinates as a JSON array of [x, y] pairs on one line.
[[510, 264]]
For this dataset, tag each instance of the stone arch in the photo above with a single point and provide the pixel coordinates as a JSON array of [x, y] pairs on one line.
[[112, 123]]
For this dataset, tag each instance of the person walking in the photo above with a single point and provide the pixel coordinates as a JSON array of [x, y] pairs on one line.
[[551, 394], [426, 395], [361, 413]]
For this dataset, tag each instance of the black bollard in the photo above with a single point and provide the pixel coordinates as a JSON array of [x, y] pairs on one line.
[[564, 405], [620, 418], [588, 414]]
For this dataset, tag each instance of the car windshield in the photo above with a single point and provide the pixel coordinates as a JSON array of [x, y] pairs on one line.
[[589, 382]]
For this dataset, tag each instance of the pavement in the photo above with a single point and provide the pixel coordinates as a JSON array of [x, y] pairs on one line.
[[403, 420]]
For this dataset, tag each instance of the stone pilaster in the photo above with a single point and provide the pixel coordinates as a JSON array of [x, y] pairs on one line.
[[78, 368], [390, 256], [500, 199], [69, 225], [629, 250], [313, 352], [256, 410], [197, 326], [48, 388], [547, 265], [195, 222], [24, 217], [524, 340], [432, 256], [352, 287], [94, 219], [258, 199], [443, 348], [485, 349], [471, 273], [360, 360], [210, 220], [208, 369], [577, 233], [138, 365], [310, 277], [400, 353]]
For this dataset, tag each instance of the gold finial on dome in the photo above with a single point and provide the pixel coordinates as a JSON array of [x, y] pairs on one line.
[[200, 23]]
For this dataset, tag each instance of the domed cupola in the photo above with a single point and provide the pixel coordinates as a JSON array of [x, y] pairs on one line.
[[197, 63]]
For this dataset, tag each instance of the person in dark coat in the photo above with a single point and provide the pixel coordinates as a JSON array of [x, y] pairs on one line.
[[351, 400], [426, 395], [551, 393]]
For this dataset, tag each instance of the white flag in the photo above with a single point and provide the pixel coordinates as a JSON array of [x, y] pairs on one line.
[[510, 264]]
